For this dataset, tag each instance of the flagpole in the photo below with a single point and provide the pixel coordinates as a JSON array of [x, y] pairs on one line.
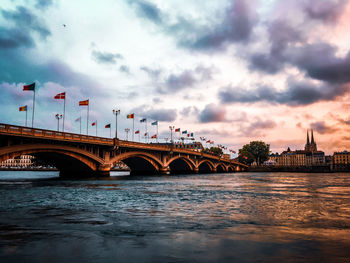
[[96, 128], [80, 124], [33, 108], [146, 141], [110, 133], [64, 110], [133, 127], [87, 120], [140, 136], [157, 132], [26, 116]]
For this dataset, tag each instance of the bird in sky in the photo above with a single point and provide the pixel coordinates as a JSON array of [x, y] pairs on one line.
[[64, 25]]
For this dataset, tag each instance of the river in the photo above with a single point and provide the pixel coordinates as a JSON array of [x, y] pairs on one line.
[[240, 217]]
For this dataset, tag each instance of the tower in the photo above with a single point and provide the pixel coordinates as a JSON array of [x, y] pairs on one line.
[[310, 146]]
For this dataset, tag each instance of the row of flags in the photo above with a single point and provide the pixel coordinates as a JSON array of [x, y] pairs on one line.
[[62, 96]]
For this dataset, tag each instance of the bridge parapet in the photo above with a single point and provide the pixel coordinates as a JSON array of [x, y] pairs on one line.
[[54, 135]]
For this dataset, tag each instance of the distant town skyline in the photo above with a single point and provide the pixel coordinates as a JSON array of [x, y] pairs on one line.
[[231, 70]]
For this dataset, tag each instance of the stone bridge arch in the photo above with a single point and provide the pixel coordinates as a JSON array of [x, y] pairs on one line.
[[205, 166], [139, 162], [181, 164], [221, 168], [70, 161]]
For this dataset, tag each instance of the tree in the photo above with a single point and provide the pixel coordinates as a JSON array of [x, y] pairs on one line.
[[214, 150], [257, 151]]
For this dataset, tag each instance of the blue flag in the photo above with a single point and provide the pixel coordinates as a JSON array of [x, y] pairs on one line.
[[184, 132], [154, 123], [143, 120]]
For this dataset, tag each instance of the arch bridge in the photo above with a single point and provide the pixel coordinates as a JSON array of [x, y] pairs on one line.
[[83, 155]]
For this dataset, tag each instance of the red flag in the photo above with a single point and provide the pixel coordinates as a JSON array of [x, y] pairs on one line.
[[154, 136], [60, 96], [108, 126], [137, 132], [78, 119], [130, 116], [94, 123], [84, 103], [177, 130], [29, 87], [146, 134]]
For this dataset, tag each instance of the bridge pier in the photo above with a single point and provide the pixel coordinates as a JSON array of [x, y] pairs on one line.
[[163, 170]]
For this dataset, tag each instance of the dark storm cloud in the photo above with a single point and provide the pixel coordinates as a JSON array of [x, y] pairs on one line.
[[144, 111], [296, 94], [147, 10], [20, 33], [322, 128], [321, 62], [236, 25], [212, 113], [324, 10], [105, 57], [280, 36]]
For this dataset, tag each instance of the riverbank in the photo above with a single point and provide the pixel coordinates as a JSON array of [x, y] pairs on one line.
[[313, 169]]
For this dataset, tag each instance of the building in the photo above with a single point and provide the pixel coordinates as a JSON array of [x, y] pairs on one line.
[[341, 161], [310, 156], [22, 161]]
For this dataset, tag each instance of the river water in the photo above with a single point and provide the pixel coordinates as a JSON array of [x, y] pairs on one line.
[[241, 217]]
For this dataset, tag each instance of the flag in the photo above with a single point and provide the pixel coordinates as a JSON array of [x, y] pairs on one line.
[[94, 123], [60, 96], [137, 132], [184, 132], [130, 116], [154, 136], [84, 103], [154, 123], [143, 120], [78, 119], [146, 134], [108, 126], [23, 108], [29, 87], [208, 141], [191, 134], [177, 130], [188, 135]]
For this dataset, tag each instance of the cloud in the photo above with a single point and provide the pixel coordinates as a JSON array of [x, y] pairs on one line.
[[147, 10], [21, 34], [212, 113], [190, 110], [153, 73], [322, 128], [236, 25], [297, 93], [186, 79], [320, 62], [166, 115], [124, 69], [43, 4], [106, 57], [325, 11], [257, 127]]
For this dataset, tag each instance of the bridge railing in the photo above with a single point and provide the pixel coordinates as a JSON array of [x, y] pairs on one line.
[[50, 134]]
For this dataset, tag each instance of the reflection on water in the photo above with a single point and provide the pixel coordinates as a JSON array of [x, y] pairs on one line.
[[242, 217]]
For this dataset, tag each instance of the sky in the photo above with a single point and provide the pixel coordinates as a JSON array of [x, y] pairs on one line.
[[232, 71]]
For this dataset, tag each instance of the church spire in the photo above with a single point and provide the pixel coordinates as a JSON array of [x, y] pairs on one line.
[[307, 136], [312, 136]]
